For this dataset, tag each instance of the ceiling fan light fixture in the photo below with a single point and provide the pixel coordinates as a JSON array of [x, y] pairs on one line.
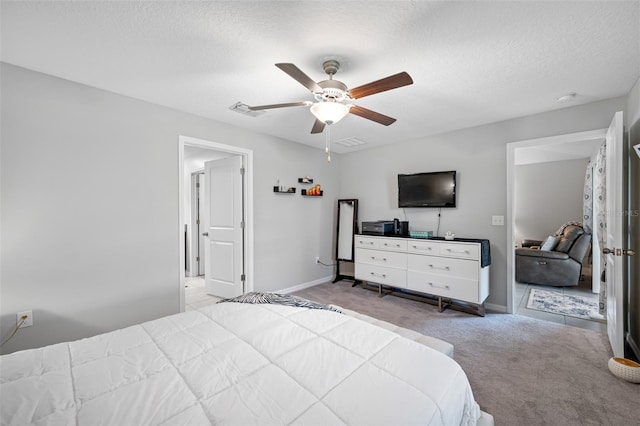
[[329, 112]]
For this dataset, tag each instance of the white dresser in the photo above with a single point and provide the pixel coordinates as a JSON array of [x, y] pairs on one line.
[[449, 270]]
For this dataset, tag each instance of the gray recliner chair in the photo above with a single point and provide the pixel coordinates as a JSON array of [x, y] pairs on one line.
[[557, 263]]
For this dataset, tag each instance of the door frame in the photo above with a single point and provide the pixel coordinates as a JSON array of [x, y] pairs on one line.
[[247, 161], [511, 150], [195, 246]]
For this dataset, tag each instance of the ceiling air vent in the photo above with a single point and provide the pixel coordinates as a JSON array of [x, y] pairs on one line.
[[350, 142], [244, 109]]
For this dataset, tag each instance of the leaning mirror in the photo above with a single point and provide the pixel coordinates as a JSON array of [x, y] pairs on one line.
[[347, 224]]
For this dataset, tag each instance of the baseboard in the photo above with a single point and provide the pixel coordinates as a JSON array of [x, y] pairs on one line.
[[305, 285], [495, 308]]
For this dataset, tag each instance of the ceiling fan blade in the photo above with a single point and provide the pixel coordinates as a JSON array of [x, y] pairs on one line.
[[382, 85], [273, 106], [318, 127], [295, 73], [371, 115]]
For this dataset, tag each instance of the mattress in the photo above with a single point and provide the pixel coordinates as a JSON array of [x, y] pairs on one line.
[[238, 364]]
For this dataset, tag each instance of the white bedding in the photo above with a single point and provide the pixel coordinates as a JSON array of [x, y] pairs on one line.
[[241, 364]]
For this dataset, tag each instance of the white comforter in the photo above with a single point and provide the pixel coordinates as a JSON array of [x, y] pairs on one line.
[[240, 364]]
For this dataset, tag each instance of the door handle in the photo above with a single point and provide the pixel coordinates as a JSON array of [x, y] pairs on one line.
[[205, 234], [446, 287], [446, 268], [618, 252]]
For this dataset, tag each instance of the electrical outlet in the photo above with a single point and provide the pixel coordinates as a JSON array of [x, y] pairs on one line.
[[317, 260], [27, 322], [497, 220]]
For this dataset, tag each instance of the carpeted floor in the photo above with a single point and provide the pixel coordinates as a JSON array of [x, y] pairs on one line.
[[522, 370]]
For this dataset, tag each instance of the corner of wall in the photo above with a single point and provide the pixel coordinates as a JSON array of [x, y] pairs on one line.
[[633, 104]]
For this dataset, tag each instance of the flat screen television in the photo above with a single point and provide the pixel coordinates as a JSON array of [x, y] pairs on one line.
[[434, 189]]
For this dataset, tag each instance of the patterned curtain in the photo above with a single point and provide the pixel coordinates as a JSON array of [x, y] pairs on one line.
[[587, 206], [597, 214]]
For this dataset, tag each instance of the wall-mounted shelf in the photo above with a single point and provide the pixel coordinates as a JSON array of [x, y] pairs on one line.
[[291, 190], [305, 180], [304, 192]]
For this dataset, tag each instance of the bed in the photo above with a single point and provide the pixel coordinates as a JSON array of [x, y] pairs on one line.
[[238, 364]]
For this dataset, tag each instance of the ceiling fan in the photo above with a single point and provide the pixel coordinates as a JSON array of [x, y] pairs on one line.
[[331, 95]]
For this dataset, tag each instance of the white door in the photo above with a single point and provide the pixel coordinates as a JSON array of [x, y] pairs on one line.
[[223, 227], [614, 241]]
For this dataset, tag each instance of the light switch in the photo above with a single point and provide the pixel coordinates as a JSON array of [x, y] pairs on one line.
[[497, 220]]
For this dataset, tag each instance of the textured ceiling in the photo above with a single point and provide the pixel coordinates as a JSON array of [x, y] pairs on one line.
[[471, 62]]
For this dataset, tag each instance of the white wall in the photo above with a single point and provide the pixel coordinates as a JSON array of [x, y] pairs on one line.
[[89, 212], [633, 105], [547, 195], [479, 156]]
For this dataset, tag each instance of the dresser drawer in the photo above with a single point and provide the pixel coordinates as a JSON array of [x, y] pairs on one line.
[[381, 243], [447, 266], [381, 258], [392, 244], [381, 275], [366, 242], [423, 247], [438, 285], [460, 250]]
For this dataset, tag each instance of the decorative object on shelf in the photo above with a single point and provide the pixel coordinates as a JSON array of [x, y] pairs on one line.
[[313, 192], [281, 190], [449, 236], [421, 234], [305, 179], [625, 369]]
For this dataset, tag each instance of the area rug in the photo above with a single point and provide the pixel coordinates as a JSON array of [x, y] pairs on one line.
[[564, 304]]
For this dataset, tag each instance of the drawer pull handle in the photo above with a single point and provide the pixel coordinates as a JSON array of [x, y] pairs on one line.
[[446, 268], [541, 263], [395, 245], [384, 259], [446, 287], [366, 242], [422, 248], [378, 275], [458, 251]]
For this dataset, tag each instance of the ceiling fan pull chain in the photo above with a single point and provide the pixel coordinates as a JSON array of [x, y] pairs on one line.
[[327, 143], [326, 140]]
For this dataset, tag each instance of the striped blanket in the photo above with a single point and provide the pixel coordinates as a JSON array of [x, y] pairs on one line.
[[280, 299]]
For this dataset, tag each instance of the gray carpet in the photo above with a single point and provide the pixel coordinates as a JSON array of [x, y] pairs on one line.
[[522, 370]]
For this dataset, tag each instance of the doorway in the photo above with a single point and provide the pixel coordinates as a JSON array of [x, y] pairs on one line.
[[576, 145], [193, 153], [548, 195]]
